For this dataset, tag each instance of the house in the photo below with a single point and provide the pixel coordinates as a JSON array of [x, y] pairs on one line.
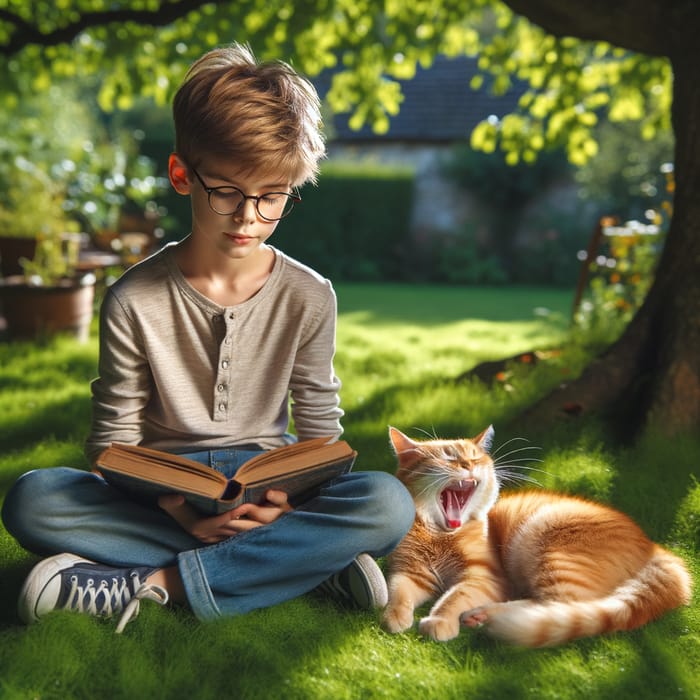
[[439, 111]]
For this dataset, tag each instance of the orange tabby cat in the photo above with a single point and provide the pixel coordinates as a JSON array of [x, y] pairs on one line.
[[538, 568]]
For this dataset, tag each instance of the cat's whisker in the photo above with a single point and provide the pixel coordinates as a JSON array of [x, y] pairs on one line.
[[431, 436], [515, 478], [519, 468], [504, 468], [523, 458], [434, 483], [496, 458], [496, 450]]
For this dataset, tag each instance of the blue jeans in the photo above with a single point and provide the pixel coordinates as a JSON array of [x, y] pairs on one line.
[[71, 510]]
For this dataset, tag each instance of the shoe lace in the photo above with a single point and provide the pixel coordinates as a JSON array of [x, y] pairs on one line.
[[105, 600], [146, 591]]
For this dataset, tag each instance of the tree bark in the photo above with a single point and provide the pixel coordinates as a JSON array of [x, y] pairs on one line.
[[651, 375]]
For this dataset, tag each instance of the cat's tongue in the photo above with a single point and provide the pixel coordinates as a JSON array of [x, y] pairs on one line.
[[453, 500]]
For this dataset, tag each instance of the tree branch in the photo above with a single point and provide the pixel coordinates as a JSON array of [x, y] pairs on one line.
[[630, 24], [26, 33]]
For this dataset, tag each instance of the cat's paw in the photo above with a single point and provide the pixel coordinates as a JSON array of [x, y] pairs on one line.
[[477, 617], [397, 619], [439, 628]]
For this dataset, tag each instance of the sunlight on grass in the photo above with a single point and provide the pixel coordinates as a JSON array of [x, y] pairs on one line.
[[402, 355]]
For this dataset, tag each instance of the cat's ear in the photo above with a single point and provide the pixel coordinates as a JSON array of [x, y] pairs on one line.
[[406, 450], [485, 439]]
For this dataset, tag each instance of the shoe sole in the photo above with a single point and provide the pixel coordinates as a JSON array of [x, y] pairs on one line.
[[38, 579], [367, 583]]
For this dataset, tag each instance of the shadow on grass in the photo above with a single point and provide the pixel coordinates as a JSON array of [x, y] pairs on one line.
[[67, 419], [37, 375], [13, 575], [438, 304]]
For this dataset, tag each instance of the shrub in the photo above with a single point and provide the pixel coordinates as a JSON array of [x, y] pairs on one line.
[[354, 225], [460, 260]]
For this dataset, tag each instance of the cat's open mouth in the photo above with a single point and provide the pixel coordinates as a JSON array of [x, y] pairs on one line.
[[454, 498]]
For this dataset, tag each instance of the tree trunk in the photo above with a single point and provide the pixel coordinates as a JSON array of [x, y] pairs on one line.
[[651, 375]]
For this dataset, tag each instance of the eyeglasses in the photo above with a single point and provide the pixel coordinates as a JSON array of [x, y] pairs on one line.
[[227, 200]]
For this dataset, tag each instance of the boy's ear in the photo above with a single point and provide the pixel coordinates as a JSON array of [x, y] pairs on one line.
[[177, 172]]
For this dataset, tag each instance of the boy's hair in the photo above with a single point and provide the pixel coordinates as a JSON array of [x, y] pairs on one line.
[[265, 117]]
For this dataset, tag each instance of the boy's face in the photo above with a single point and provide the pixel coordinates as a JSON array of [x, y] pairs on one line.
[[240, 233]]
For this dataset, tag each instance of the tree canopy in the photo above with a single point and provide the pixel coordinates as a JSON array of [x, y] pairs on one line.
[[142, 47]]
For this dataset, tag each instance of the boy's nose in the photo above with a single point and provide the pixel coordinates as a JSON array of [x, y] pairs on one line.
[[247, 211]]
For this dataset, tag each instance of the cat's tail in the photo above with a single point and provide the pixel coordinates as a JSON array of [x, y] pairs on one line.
[[663, 584]]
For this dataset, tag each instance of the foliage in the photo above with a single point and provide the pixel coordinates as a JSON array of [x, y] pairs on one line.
[[111, 177], [142, 47], [63, 169], [571, 87], [399, 347], [504, 192], [621, 274], [33, 207], [623, 269], [556, 234], [502, 186], [461, 261], [32, 204], [625, 179]]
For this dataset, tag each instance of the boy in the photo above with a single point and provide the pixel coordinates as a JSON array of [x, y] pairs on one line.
[[201, 347]]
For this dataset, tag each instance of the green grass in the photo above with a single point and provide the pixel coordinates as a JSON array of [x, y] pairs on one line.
[[400, 352]]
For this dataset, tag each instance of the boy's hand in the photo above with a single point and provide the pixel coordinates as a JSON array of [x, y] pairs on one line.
[[217, 528]]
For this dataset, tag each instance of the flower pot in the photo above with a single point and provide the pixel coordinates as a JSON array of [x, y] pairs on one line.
[[33, 311], [11, 250]]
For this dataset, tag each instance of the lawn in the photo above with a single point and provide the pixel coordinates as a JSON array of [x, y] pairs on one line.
[[402, 354]]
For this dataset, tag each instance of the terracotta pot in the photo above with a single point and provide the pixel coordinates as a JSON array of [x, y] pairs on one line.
[[11, 250], [31, 312]]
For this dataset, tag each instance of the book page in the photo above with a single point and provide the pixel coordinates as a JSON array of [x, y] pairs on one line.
[[293, 458]]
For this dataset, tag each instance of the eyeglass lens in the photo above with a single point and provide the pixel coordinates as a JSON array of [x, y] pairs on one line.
[[228, 200]]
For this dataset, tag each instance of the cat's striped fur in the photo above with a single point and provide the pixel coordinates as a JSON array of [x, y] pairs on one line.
[[536, 567]]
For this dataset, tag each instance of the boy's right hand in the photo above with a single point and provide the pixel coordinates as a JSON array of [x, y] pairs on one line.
[[210, 530], [217, 528]]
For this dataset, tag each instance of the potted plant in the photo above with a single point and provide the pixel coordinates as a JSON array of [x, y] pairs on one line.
[[48, 295], [113, 195]]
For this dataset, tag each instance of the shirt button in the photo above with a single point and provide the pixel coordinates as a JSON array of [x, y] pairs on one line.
[[220, 388], [224, 364], [222, 406]]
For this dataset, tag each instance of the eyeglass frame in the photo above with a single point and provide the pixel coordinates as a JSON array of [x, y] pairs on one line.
[[294, 198]]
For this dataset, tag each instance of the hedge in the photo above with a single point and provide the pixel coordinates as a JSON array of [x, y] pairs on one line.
[[354, 225]]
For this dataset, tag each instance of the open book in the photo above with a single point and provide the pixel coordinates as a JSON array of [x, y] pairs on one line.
[[296, 469]]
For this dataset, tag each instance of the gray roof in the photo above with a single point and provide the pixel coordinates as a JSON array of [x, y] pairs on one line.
[[438, 105]]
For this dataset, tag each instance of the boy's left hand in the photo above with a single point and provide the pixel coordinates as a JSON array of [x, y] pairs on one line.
[[249, 515]]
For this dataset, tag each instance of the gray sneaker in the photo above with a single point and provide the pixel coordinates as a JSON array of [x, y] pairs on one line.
[[68, 582], [359, 585]]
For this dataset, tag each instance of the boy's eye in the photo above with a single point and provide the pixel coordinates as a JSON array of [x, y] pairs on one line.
[[227, 193]]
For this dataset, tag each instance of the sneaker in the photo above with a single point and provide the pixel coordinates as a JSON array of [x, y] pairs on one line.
[[69, 582], [359, 585]]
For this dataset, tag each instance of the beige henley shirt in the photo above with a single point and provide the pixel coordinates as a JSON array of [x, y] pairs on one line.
[[179, 372]]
